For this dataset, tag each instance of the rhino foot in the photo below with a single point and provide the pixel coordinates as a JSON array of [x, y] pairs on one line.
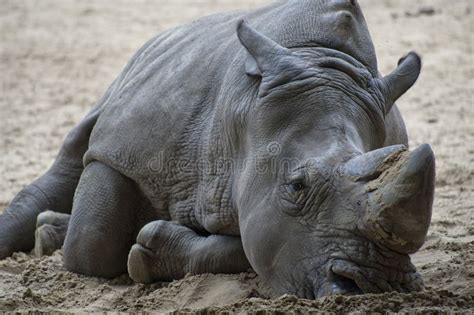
[[51, 228], [166, 251]]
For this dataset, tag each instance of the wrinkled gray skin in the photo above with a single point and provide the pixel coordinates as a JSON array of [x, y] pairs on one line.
[[223, 145]]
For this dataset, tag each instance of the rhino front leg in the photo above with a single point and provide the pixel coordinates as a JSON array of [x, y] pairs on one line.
[[106, 217], [166, 251], [51, 228]]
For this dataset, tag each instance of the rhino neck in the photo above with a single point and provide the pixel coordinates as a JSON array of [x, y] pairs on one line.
[[222, 152]]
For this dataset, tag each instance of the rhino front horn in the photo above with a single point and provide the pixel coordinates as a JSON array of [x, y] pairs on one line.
[[400, 200]]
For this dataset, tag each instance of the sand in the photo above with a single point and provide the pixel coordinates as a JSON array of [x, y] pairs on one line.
[[58, 57]]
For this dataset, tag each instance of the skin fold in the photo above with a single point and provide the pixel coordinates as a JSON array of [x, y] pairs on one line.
[[264, 140]]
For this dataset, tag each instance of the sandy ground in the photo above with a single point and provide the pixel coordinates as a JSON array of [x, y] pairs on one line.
[[57, 57]]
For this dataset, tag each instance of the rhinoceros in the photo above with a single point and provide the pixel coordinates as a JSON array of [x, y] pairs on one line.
[[264, 140]]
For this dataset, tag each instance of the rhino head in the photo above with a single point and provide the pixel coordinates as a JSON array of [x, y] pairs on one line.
[[324, 207]]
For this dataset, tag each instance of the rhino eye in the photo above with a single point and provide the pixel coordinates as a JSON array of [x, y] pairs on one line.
[[297, 186]]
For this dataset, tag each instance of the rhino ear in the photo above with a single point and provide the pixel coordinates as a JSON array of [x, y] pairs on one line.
[[401, 79], [264, 53]]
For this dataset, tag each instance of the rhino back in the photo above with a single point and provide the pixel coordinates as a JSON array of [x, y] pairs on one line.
[[165, 87]]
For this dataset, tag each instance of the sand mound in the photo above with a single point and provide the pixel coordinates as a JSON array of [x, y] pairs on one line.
[[31, 284]]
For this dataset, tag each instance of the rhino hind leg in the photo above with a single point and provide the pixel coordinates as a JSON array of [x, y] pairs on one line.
[[166, 251], [103, 223], [51, 228], [53, 190]]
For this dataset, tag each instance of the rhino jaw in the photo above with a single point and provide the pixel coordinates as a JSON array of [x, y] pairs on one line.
[[400, 200]]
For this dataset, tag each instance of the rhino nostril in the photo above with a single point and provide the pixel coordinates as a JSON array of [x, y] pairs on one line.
[[338, 284], [345, 285]]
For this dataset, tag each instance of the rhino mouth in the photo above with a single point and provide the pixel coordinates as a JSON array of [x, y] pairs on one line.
[[347, 278]]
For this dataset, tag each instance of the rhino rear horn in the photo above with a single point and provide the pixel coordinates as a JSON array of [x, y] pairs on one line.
[[264, 54], [401, 79]]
